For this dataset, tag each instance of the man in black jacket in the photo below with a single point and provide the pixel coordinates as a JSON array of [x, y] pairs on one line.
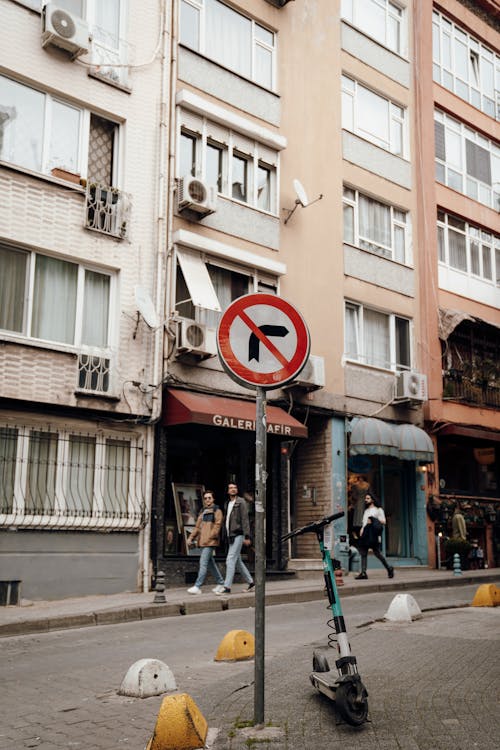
[[238, 534]]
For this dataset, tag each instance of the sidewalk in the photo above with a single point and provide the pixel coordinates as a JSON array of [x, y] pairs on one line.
[[45, 616]]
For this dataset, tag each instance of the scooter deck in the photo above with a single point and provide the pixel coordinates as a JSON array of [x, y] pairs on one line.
[[325, 682]]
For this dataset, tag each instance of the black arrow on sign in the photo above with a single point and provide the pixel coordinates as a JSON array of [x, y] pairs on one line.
[[267, 330]]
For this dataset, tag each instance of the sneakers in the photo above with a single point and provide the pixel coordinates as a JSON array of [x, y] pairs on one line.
[[219, 589], [250, 587], [194, 590], [362, 576], [390, 571], [222, 590]]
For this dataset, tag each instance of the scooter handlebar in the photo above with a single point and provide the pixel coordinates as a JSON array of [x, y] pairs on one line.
[[314, 526]]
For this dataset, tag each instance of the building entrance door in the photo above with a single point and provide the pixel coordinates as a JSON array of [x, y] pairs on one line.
[[397, 506]]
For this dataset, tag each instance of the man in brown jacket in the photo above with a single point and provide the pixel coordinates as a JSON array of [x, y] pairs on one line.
[[207, 532]]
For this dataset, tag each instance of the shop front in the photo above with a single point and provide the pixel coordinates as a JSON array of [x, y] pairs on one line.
[[390, 460], [204, 442], [469, 477]]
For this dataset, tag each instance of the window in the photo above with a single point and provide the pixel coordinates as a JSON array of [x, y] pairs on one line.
[[375, 226], [230, 38], [383, 20], [43, 133], [468, 248], [241, 168], [465, 66], [466, 161], [376, 338], [61, 478], [206, 286], [54, 300], [373, 117]]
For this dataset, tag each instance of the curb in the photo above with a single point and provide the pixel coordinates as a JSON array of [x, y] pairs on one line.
[[219, 604]]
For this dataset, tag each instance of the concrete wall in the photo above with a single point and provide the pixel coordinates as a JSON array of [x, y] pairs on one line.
[[58, 565]]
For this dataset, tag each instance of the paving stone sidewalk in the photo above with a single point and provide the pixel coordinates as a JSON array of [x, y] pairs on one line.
[[45, 616]]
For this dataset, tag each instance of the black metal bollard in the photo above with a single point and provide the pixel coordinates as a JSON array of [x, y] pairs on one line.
[[160, 588]]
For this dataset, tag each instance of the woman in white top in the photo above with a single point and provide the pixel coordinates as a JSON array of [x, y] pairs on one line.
[[370, 536]]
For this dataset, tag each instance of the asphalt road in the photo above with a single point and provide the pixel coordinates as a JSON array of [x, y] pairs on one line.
[[433, 684]]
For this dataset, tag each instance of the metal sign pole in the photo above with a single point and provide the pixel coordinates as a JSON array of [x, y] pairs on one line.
[[260, 552]]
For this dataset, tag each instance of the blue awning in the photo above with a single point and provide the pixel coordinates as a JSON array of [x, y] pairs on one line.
[[414, 443], [371, 437]]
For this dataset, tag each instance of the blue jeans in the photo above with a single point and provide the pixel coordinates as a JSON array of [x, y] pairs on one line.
[[207, 563], [233, 561]]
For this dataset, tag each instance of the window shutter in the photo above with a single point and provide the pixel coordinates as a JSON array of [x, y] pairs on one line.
[[478, 162], [439, 140]]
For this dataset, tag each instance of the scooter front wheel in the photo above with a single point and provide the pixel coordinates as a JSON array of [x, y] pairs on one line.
[[352, 703]]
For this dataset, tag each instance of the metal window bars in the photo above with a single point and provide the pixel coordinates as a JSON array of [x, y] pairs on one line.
[[107, 210]]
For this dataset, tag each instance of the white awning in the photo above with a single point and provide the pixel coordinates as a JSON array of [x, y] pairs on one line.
[[198, 280]]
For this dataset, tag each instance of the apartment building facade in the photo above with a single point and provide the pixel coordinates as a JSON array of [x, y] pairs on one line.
[[81, 253], [298, 121], [461, 298]]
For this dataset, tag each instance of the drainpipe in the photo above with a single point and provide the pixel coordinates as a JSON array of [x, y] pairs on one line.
[[170, 276], [162, 222]]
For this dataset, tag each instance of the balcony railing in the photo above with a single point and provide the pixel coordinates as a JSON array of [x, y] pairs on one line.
[[107, 210], [457, 387]]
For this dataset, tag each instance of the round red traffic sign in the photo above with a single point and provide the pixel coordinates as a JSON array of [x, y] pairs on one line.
[[263, 341]]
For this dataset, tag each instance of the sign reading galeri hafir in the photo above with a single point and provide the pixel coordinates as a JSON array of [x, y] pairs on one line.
[[263, 341], [249, 424]]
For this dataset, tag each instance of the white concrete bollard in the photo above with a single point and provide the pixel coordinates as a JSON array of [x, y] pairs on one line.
[[403, 608], [147, 677]]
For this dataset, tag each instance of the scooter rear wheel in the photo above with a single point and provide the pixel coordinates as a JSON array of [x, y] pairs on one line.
[[351, 702]]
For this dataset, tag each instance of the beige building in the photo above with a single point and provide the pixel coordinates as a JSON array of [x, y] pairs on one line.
[[82, 235]]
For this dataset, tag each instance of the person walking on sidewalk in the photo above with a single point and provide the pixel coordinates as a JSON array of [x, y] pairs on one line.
[[207, 531], [371, 536], [238, 534]]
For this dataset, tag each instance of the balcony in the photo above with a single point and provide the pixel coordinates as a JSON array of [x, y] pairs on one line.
[[107, 210], [459, 387]]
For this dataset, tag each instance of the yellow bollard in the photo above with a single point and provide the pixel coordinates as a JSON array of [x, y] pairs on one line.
[[487, 595], [180, 725], [237, 645]]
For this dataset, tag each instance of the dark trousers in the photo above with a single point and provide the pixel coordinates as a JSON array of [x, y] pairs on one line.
[[376, 551]]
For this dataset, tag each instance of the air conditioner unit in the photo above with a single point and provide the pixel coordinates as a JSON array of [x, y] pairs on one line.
[[312, 376], [64, 30], [195, 338], [194, 195], [411, 386]]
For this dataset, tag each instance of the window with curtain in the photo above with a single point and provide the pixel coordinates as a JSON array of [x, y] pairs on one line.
[[8, 453], [71, 479], [67, 303], [375, 226], [467, 161], [230, 38], [228, 284], [242, 169], [468, 248], [383, 20], [373, 117], [376, 338], [116, 477], [41, 470], [81, 474], [462, 64]]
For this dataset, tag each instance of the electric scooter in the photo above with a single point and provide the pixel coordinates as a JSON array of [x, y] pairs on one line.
[[345, 686]]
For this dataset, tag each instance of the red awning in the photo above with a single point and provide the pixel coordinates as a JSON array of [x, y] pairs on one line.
[[182, 407]]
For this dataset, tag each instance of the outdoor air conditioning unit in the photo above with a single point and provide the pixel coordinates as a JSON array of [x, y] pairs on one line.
[[312, 376], [195, 338], [194, 195], [411, 386], [64, 30]]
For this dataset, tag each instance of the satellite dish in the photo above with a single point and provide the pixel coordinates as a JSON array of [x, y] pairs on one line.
[[146, 307], [301, 193]]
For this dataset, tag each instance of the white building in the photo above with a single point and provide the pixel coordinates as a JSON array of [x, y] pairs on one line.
[[82, 160]]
